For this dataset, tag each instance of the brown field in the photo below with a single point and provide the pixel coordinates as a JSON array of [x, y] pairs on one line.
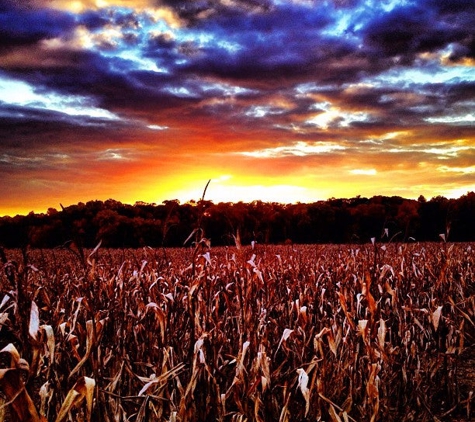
[[271, 333]]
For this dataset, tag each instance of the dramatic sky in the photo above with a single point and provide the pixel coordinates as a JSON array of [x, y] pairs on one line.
[[278, 100]]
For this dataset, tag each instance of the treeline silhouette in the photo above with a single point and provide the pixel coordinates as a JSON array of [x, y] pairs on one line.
[[354, 220]]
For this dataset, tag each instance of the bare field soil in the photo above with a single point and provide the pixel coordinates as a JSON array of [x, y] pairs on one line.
[[376, 332]]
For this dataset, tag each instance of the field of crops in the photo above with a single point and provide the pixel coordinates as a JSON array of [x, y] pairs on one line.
[[266, 333]]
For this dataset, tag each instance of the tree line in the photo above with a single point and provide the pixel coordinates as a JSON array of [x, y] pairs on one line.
[[169, 224]]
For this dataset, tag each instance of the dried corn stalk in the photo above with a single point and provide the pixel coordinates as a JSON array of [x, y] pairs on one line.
[[12, 383]]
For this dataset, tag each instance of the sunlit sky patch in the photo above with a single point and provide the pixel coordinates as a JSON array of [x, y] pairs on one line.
[[157, 127], [278, 100], [19, 93], [364, 172], [454, 119], [299, 149], [464, 170]]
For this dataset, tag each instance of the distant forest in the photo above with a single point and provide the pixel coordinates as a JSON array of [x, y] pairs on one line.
[[170, 224]]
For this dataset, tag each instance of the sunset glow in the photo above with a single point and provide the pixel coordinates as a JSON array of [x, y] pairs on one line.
[[272, 100]]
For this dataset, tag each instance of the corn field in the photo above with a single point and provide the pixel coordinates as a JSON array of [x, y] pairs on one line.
[[257, 333]]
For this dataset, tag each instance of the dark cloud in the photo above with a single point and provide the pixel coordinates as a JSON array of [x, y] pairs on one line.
[[424, 27], [452, 7], [195, 11], [13, 118], [345, 3], [93, 19], [459, 91], [160, 42], [127, 20], [285, 44], [108, 81], [24, 27], [23, 128]]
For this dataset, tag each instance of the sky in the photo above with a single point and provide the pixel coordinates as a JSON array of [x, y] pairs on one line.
[[273, 100]]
